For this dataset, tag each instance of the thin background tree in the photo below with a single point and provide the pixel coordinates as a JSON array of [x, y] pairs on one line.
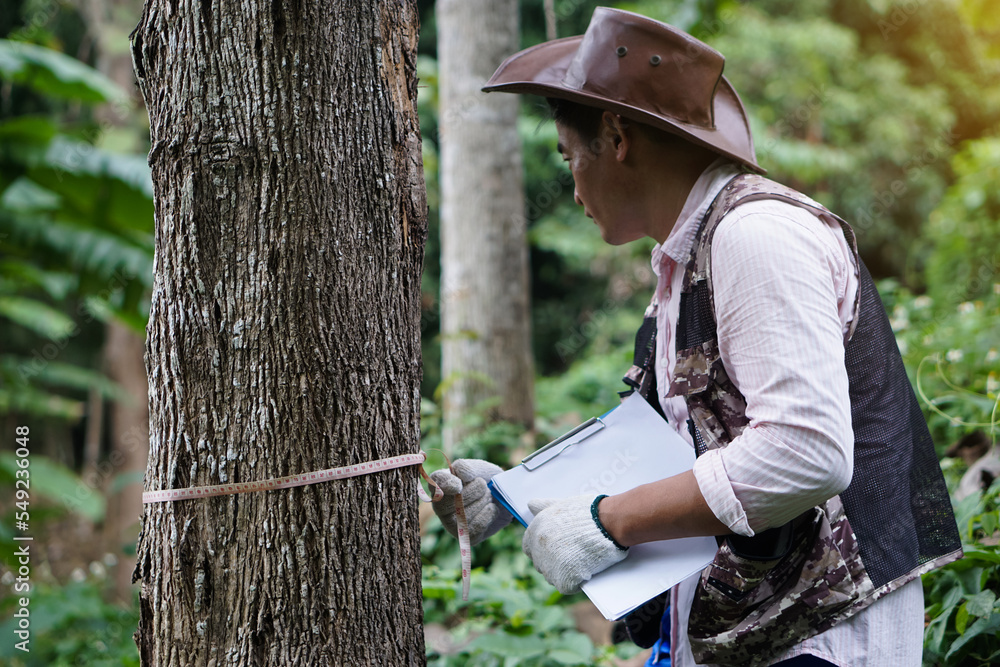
[[485, 321]]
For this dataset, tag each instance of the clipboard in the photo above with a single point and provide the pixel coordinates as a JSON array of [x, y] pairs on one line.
[[625, 448]]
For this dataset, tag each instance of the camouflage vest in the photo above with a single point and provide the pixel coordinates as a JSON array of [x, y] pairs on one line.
[[894, 522]]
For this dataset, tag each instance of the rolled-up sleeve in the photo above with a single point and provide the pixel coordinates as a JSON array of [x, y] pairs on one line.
[[784, 285]]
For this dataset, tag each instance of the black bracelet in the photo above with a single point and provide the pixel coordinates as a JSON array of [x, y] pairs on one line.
[[597, 520]]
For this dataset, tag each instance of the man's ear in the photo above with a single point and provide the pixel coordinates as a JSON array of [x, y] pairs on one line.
[[619, 132]]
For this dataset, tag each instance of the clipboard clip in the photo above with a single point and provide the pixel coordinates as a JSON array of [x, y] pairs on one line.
[[574, 437]]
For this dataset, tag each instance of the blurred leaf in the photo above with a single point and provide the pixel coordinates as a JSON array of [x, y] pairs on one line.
[[98, 188], [32, 401], [70, 376], [510, 646], [981, 604], [33, 129], [983, 626], [36, 316], [572, 648], [125, 479], [104, 259], [59, 484], [57, 285], [972, 555], [52, 73], [962, 618], [24, 195], [72, 624], [68, 156]]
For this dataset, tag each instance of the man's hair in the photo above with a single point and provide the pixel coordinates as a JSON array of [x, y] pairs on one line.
[[583, 119], [586, 121]]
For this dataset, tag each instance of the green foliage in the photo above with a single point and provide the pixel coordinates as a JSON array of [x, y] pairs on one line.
[[54, 483], [949, 336], [949, 343], [962, 605], [951, 353], [55, 74], [72, 624], [512, 617], [841, 123], [76, 241], [951, 45], [964, 230]]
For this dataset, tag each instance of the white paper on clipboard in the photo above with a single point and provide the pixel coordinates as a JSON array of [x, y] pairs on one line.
[[634, 446]]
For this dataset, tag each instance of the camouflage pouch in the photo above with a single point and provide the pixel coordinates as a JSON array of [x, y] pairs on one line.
[[747, 610]]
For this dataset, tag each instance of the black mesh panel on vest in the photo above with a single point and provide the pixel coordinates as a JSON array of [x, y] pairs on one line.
[[645, 344], [643, 357], [696, 319], [897, 518]]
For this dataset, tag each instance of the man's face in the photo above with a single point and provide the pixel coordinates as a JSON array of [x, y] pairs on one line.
[[602, 185]]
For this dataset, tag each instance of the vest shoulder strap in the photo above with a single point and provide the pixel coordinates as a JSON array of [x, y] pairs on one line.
[[743, 189]]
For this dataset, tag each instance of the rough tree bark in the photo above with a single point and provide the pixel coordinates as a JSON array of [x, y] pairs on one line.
[[486, 335], [284, 331]]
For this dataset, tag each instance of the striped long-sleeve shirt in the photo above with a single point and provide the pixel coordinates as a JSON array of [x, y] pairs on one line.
[[784, 284]]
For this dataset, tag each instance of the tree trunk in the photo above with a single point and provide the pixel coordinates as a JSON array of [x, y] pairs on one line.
[[486, 336], [284, 331]]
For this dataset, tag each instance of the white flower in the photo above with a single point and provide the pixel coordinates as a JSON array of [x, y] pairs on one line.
[[110, 559], [954, 355], [78, 575], [97, 569], [992, 385], [996, 288], [900, 318], [966, 308], [903, 346], [922, 301], [992, 355]]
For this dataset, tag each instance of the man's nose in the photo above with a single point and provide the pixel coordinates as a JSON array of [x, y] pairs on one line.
[[576, 197]]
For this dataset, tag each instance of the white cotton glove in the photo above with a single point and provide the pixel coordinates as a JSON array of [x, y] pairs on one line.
[[484, 514], [566, 543]]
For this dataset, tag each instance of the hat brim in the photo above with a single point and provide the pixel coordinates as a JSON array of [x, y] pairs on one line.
[[540, 70]]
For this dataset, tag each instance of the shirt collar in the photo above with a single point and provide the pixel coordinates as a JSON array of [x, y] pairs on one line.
[[703, 193]]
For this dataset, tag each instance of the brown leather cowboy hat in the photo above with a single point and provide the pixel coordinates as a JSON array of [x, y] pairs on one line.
[[644, 70]]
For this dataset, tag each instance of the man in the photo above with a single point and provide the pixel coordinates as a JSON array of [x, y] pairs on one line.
[[772, 356]]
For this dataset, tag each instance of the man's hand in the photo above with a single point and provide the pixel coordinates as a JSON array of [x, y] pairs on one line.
[[567, 543], [484, 514]]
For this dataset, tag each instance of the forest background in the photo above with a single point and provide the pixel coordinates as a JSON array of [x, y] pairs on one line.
[[887, 112]]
